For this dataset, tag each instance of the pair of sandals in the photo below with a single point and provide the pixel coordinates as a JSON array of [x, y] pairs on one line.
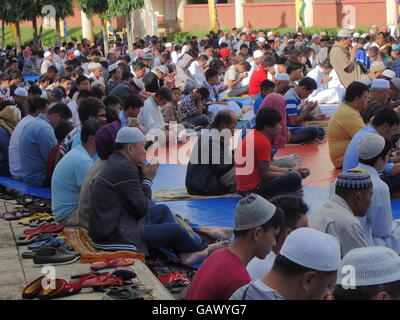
[[36, 218], [16, 215], [131, 292], [41, 287]]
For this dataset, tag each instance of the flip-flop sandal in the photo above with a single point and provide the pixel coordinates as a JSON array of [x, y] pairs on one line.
[[45, 228], [35, 216], [171, 277], [79, 276], [99, 282], [28, 240], [15, 215], [36, 223], [50, 241], [112, 263], [125, 274], [122, 293]]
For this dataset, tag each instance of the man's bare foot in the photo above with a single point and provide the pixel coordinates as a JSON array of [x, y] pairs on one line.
[[216, 233], [216, 246], [193, 257], [199, 256]]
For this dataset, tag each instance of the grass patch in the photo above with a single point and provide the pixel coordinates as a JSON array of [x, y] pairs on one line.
[[184, 36], [48, 35]]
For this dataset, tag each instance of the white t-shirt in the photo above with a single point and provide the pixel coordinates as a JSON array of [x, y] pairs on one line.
[[73, 106], [258, 268], [150, 116], [197, 72]]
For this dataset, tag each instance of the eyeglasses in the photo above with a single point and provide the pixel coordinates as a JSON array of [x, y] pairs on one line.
[[101, 115]]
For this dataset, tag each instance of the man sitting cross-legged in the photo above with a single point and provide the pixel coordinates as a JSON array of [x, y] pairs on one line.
[[122, 216]]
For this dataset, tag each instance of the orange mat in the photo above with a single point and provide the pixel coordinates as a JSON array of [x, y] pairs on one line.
[[314, 157]]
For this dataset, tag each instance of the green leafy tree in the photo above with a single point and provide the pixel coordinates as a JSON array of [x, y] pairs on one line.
[[126, 8], [100, 8], [64, 9], [10, 13], [32, 9]]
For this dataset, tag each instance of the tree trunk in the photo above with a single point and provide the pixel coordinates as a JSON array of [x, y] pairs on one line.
[[58, 32], [19, 40], [105, 36], [40, 34], [129, 31], [3, 33], [35, 34]]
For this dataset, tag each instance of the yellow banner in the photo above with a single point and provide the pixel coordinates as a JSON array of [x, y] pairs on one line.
[[213, 15], [62, 33], [300, 6], [13, 29]]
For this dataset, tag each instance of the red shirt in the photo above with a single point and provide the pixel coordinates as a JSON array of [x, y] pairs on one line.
[[225, 53], [251, 37], [254, 141], [258, 76], [220, 275]]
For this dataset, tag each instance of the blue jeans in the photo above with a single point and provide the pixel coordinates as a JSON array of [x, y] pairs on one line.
[[286, 184], [161, 231], [306, 134]]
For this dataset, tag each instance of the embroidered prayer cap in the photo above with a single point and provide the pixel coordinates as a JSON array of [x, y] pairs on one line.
[[344, 34], [253, 211], [377, 66], [370, 146], [380, 84], [113, 67], [390, 74], [162, 68], [261, 39], [372, 266], [282, 77], [94, 66], [130, 135], [21, 92], [257, 54], [312, 249], [354, 180]]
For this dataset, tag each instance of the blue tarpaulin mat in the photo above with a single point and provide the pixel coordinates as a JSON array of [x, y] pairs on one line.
[[10, 183], [244, 101], [170, 177], [328, 110], [220, 212], [30, 78]]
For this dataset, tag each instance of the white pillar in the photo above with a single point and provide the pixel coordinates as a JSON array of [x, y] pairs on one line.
[[391, 16], [180, 15], [87, 27], [239, 15], [309, 13]]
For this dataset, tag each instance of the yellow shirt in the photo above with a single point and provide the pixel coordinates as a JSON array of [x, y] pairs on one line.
[[345, 123]]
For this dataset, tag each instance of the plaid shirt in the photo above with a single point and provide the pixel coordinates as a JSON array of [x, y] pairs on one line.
[[188, 107]]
